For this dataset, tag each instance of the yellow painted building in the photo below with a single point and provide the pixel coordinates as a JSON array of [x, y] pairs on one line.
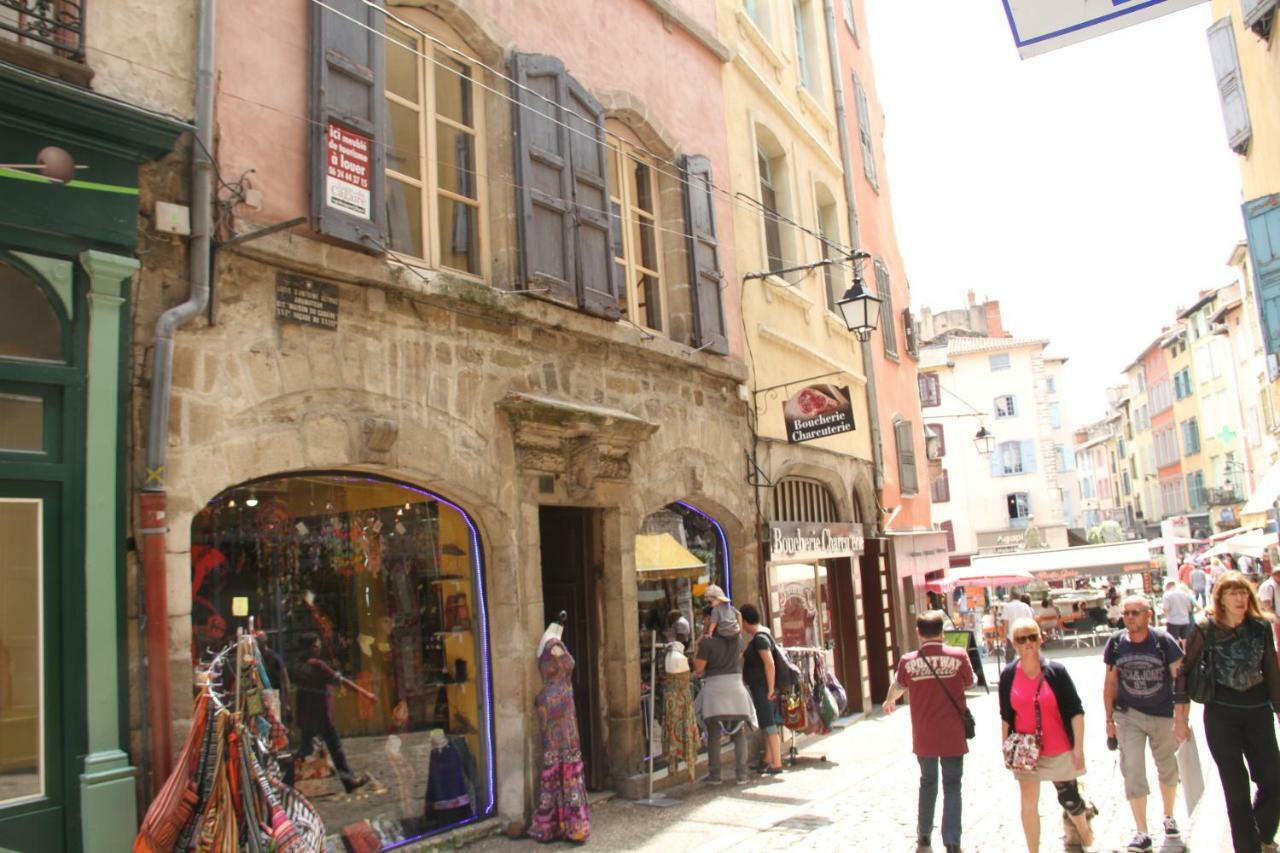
[[1146, 500], [790, 210]]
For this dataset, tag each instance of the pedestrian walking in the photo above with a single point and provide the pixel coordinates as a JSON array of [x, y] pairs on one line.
[[1199, 584], [1178, 607], [1038, 699], [1239, 684], [760, 677], [935, 678], [723, 703], [1142, 664]]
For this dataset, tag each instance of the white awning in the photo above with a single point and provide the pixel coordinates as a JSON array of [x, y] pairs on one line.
[[919, 552], [1265, 496], [1116, 558]]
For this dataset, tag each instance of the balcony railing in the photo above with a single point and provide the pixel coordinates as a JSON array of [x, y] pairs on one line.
[[55, 27], [1223, 497]]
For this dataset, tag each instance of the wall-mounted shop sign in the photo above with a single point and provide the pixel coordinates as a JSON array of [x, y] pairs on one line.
[[794, 540], [306, 301], [817, 411]]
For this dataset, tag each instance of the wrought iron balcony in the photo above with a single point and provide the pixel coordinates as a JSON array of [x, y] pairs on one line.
[[1225, 496], [55, 27]]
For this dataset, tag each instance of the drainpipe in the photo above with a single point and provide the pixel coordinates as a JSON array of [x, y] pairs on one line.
[[154, 498], [846, 161]]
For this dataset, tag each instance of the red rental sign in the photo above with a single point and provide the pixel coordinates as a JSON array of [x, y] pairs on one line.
[[347, 171]]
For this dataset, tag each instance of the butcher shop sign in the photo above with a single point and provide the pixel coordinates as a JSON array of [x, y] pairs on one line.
[[817, 411], [797, 541]]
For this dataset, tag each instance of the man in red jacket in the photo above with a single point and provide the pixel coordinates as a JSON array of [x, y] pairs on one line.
[[936, 677]]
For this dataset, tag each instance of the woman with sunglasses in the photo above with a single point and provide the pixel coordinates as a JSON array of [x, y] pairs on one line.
[[1030, 684], [1239, 719]]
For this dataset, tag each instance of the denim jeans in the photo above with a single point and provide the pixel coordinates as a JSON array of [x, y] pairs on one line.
[[716, 726], [952, 768]]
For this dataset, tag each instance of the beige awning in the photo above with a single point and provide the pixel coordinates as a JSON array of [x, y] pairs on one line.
[[1115, 558], [1265, 496], [659, 556]]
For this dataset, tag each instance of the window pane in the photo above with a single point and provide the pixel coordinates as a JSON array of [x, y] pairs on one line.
[[29, 325], [403, 149], [459, 236], [21, 423], [21, 745], [402, 63], [404, 208], [456, 156], [615, 230], [643, 187], [645, 239], [453, 90], [649, 301]]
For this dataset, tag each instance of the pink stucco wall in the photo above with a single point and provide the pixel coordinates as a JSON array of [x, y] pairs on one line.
[[620, 46]]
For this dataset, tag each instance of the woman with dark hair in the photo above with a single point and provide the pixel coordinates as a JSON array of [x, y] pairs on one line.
[[1239, 723], [1037, 697]]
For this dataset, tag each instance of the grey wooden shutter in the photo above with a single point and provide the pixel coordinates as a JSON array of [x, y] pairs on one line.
[[864, 131], [1258, 15], [347, 94], [888, 332], [903, 437], [1226, 67], [598, 286], [1262, 228], [702, 248], [544, 191]]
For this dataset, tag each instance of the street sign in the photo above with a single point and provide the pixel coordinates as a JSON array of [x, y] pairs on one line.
[[1042, 25]]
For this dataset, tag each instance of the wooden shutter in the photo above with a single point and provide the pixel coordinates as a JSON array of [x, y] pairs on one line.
[[864, 131], [703, 252], [348, 106], [949, 528], [888, 331], [1226, 67], [598, 286], [1027, 451], [1257, 15], [941, 443], [852, 23], [1262, 229], [997, 460], [930, 390], [940, 489], [562, 172], [544, 192], [907, 480]]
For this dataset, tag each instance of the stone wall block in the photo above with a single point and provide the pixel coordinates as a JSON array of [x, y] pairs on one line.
[[375, 366], [261, 366], [177, 568], [185, 367], [352, 352], [326, 441], [204, 423], [295, 366]]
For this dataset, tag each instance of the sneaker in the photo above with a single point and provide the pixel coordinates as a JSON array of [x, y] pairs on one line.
[[953, 848], [1141, 843], [712, 780], [1171, 828], [924, 844]]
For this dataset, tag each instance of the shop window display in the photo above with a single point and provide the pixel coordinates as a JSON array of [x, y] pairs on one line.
[[680, 551], [368, 600], [800, 601]]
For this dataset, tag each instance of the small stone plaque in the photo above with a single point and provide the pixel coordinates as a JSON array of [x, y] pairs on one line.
[[306, 301]]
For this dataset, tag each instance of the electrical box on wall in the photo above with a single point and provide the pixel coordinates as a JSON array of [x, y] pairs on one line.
[[173, 218]]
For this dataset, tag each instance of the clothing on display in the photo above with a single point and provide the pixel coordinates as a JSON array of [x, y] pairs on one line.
[[802, 710], [680, 726], [450, 782], [563, 811]]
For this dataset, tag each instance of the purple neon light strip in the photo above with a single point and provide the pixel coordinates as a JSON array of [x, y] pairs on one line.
[[724, 546]]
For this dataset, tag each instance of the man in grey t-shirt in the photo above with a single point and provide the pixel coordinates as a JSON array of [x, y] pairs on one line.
[[1178, 609]]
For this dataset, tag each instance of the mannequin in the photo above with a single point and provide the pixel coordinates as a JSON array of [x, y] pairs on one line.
[[562, 810]]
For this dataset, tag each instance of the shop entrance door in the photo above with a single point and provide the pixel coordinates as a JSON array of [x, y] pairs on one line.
[[844, 604], [570, 545], [877, 608]]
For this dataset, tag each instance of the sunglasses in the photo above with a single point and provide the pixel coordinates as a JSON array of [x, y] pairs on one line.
[[1026, 638]]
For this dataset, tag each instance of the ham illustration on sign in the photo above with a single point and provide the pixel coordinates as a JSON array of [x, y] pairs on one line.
[[347, 171], [817, 411]]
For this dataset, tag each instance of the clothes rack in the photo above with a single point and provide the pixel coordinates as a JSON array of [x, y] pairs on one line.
[[812, 663]]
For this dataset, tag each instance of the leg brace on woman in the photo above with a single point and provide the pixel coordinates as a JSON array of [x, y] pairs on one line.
[[1069, 797]]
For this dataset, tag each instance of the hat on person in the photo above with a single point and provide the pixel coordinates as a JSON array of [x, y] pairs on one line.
[[715, 593]]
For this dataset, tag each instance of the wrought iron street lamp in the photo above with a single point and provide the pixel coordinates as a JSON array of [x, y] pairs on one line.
[[859, 309], [985, 441]]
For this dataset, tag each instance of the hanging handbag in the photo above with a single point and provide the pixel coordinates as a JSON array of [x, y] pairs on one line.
[[1022, 751], [1200, 681], [793, 712], [966, 717]]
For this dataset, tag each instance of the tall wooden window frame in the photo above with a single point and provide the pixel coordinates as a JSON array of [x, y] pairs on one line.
[[771, 196], [425, 178], [643, 303]]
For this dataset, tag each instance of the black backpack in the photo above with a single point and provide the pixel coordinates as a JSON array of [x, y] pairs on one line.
[[786, 675]]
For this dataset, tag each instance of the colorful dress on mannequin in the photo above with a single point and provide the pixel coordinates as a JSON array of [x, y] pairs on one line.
[[562, 800], [680, 728]]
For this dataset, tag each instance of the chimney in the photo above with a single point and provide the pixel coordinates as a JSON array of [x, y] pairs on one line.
[[995, 327], [973, 300]]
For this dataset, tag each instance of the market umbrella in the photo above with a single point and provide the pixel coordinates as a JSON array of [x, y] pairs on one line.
[[979, 576]]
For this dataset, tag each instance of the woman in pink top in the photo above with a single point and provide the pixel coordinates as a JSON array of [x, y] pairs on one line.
[[1024, 683]]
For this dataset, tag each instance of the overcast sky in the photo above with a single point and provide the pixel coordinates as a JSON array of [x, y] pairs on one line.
[[1090, 189]]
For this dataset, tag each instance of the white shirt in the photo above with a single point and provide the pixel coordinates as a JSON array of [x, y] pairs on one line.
[[1269, 592], [1012, 612], [1177, 607]]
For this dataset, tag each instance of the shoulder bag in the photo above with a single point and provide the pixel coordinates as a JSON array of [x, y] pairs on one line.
[[966, 717], [1200, 676], [1022, 751]]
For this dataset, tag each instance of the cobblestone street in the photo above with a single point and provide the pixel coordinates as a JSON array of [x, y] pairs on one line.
[[864, 797]]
